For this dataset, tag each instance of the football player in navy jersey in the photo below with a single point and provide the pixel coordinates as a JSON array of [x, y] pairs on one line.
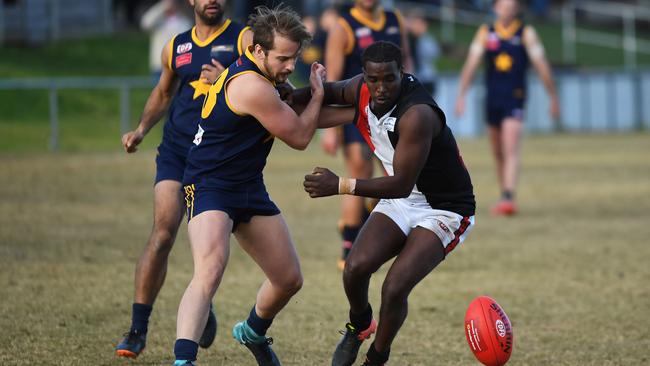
[[224, 186], [507, 45], [191, 62], [358, 27], [426, 205]]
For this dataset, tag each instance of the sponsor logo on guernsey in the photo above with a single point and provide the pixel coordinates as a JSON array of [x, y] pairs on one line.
[[492, 42], [199, 136], [184, 59], [515, 41], [392, 30], [388, 123], [185, 47], [362, 32]]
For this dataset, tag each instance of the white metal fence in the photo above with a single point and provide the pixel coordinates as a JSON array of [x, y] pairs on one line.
[[590, 101], [628, 15], [53, 85]]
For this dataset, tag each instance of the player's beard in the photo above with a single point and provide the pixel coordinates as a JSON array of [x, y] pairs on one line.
[[276, 77], [210, 19]]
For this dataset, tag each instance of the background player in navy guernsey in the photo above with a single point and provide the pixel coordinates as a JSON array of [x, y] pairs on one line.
[[224, 188], [358, 27], [427, 201], [192, 61], [508, 45]]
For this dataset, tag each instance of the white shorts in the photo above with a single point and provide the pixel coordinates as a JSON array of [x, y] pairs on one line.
[[414, 211]]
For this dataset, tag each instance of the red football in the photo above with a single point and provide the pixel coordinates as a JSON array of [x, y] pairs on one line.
[[488, 331]]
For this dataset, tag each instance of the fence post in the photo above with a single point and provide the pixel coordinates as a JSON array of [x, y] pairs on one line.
[[55, 20], [629, 42], [448, 20], [2, 22], [569, 33], [125, 109], [108, 17], [54, 119]]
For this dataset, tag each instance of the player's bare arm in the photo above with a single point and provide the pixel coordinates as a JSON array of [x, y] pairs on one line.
[[416, 130], [335, 48], [253, 95], [156, 105], [337, 101], [476, 52], [536, 54]]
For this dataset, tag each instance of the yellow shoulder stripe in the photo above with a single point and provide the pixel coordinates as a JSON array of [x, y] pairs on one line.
[[171, 52], [348, 31], [240, 46], [225, 89], [212, 37]]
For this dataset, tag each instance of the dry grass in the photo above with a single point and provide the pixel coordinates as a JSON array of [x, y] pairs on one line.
[[571, 270]]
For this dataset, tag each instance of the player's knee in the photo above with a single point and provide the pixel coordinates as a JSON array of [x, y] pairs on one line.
[[208, 279], [356, 268], [162, 240], [359, 167], [291, 284], [394, 292]]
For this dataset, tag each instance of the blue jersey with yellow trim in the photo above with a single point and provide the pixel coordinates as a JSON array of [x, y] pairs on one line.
[[507, 62], [186, 55], [229, 148], [363, 32]]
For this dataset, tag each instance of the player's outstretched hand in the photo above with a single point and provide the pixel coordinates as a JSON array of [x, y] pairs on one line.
[[210, 73], [131, 140], [321, 183], [460, 106]]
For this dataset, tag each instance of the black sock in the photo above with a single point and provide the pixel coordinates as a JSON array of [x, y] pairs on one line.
[[140, 317], [362, 320], [507, 195], [185, 349], [349, 236], [376, 357], [259, 325]]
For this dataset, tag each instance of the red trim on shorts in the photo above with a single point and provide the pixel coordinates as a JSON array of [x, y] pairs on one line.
[[464, 224]]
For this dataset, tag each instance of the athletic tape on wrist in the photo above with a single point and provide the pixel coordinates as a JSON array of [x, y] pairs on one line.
[[347, 185]]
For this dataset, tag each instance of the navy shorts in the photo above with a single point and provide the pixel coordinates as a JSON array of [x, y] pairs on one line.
[[240, 202], [351, 134], [497, 112], [170, 165]]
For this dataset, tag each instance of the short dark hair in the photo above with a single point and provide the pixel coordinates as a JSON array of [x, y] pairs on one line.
[[382, 51], [282, 20]]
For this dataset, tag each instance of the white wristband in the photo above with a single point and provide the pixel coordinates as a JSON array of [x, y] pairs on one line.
[[347, 185]]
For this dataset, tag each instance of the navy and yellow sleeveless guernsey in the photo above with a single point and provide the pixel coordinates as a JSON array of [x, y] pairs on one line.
[[225, 164], [363, 32], [186, 55], [507, 64]]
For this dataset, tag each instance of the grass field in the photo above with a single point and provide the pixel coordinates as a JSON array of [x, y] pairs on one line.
[[571, 270]]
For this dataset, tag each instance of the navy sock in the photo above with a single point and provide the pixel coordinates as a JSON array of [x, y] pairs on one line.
[[507, 195], [375, 357], [362, 320], [185, 349], [259, 325], [349, 236], [140, 317]]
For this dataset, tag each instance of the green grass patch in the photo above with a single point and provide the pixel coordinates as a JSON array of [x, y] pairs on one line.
[[571, 270]]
